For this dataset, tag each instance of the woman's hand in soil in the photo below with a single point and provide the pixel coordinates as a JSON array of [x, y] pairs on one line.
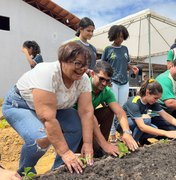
[[72, 162], [111, 149], [87, 152], [9, 175], [130, 142], [171, 134]]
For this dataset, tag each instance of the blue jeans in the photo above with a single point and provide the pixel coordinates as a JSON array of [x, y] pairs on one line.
[[121, 94], [30, 128], [137, 133]]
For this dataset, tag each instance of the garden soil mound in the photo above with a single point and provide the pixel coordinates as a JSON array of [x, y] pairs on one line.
[[157, 161]]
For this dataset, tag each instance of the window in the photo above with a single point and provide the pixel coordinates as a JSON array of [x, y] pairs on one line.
[[5, 23]]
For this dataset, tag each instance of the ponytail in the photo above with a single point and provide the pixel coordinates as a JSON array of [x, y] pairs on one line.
[[153, 86], [84, 23]]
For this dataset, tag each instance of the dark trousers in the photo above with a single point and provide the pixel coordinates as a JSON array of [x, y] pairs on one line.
[[162, 124], [104, 117], [173, 114]]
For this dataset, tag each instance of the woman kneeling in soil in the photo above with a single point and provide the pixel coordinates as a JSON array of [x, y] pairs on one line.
[[38, 107], [136, 109]]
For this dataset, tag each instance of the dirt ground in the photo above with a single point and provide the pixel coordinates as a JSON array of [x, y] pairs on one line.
[[154, 162], [10, 148]]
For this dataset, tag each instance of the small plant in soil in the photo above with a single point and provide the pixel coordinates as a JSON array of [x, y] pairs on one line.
[[3, 124], [123, 149], [27, 174], [84, 161], [164, 141]]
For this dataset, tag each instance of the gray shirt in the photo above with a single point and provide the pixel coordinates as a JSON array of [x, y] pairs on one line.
[[92, 51], [134, 107]]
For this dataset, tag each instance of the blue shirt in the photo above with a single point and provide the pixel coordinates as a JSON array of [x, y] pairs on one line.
[[37, 59]]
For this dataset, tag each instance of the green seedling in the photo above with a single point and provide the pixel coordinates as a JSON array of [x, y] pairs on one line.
[[4, 124], [123, 149], [27, 174], [1, 101], [84, 161], [164, 141]]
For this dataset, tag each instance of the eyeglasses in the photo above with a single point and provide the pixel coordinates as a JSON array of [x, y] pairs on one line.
[[79, 65], [102, 79]]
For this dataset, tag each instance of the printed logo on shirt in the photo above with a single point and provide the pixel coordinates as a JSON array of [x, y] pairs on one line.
[[135, 99], [126, 55], [113, 56]]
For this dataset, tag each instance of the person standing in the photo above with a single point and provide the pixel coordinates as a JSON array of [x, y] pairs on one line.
[[32, 52], [117, 55], [84, 33]]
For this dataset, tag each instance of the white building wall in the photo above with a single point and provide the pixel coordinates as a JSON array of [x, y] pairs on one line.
[[26, 23]]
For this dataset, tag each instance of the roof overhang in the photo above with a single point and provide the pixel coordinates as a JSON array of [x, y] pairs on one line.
[[52, 9]]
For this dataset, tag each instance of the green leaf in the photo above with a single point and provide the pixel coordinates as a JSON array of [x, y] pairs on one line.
[[27, 169], [27, 174], [84, 161], [31, 174], [123, 149], [165, 141], [4, 123]]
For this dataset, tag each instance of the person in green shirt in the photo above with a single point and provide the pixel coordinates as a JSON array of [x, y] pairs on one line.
[[168, 83], [171, 55], [137, 110], [102, 94]]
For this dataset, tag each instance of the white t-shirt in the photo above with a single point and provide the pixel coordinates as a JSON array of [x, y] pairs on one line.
[[47, 76]]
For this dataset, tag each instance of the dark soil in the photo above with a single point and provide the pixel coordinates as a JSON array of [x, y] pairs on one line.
[[157, 161]]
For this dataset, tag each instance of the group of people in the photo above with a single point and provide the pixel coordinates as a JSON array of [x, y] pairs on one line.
[[55, 103]]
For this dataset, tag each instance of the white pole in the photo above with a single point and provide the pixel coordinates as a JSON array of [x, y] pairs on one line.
[[149, 43]]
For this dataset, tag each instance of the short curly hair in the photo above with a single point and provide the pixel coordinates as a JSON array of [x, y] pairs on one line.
[[115, 31]]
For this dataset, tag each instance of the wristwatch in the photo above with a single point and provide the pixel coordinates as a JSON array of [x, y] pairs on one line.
[[128, 131]]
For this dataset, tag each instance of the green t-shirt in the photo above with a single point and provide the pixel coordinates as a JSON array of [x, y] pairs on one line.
[[106, 96], [171, 55], [168, 86]]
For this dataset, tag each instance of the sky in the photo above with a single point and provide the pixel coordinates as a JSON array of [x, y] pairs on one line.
[[103, 12]]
